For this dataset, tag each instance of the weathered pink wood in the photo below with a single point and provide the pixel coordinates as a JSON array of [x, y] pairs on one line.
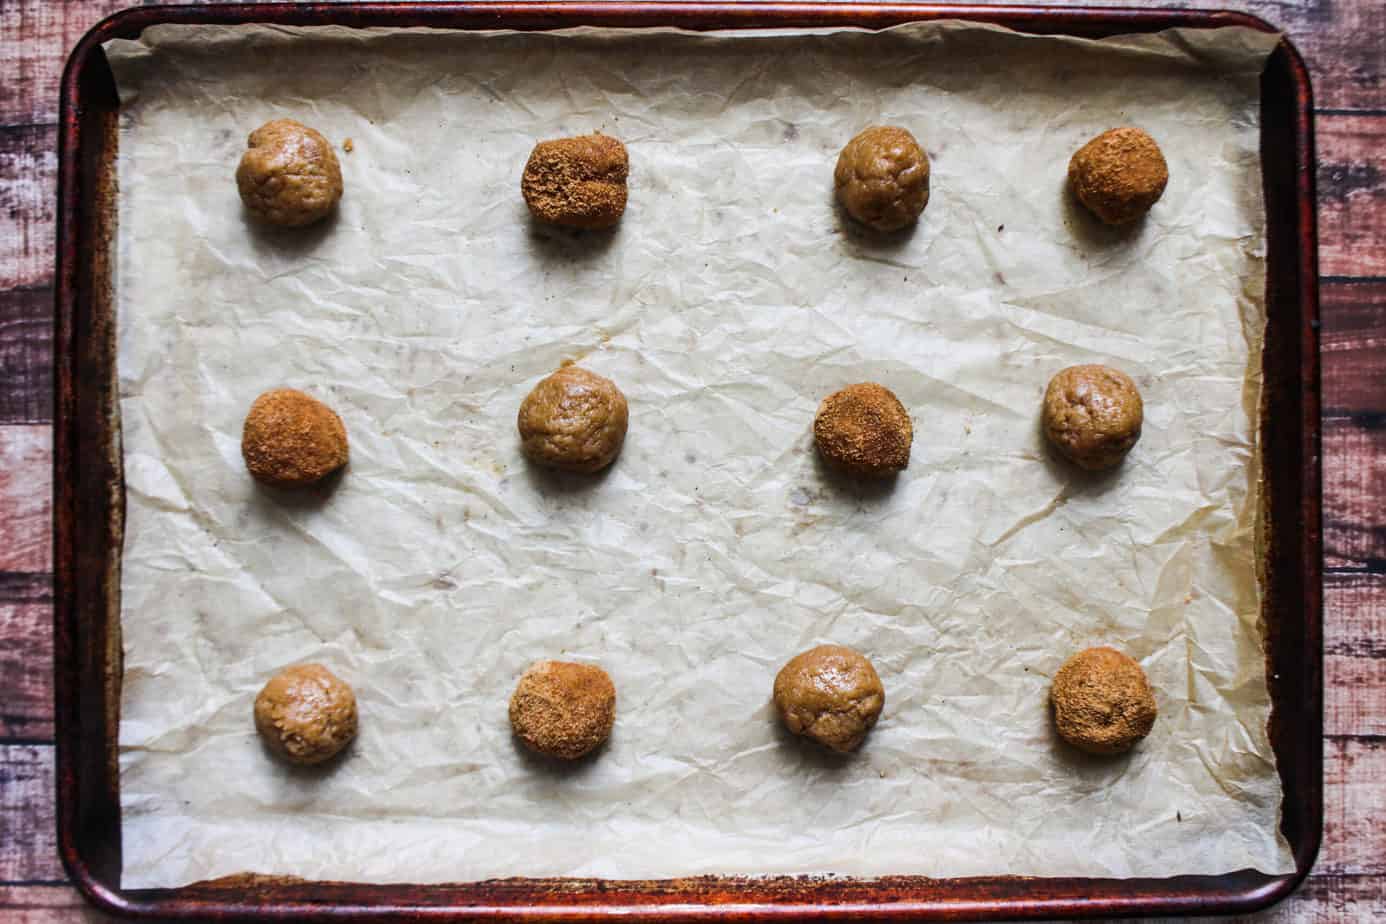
[[1345, 44]]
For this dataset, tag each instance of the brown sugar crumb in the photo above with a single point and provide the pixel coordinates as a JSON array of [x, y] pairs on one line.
[[578, 182], [1119, 175], [865, 430], [1102, 701], [563, 709], [348, 146], [292, 439]]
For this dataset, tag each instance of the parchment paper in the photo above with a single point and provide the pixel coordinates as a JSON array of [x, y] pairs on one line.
[[730, 301]]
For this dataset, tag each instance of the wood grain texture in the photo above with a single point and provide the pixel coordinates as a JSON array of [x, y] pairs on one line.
[[28, 204], [26, 708], [1345, 45], [1354, 806], [1354, 648], [26, 488], [1353, 347], [29, 849], [34, 43], [1352, 194], [18, 587], [1340, 39], [26, 355], [47, 904], [1354, 492], [1327, 900]]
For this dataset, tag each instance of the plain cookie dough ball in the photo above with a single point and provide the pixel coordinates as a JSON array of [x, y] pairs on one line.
[[1119, 175], [830, 694], [579, 182], [562, 709], [1093, 415], [864, 430], [573, 420], [1102, 701], [882, 178], [306, 714], [289, 175], [291, 439]]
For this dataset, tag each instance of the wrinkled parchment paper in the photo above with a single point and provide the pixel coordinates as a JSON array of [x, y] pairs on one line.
[[731, 300]]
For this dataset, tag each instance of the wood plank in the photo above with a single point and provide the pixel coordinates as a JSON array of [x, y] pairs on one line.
[[1354, 492], [29, 849], [17, 587], [26, 355], [1353, 347], [35, 43], [26, 671], [1352, 195], [1324, 899], [1344, 44], [1354, 648], [26, 480], [1354, 780], [28, 204], [48, 904]]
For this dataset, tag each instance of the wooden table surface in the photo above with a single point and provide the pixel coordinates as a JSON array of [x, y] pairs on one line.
[[1344, 42]]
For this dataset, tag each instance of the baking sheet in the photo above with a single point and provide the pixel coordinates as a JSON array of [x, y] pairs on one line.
[[730, 301]]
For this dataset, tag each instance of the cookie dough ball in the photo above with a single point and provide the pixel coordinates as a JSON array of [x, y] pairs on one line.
[[573, 420], [882, 178], [579, 182], [830, 694], [563, 709], [1092, 415], [864, 430], [291, 439], [1102, 701], [306, 714], [289, 175], [1119, 175]]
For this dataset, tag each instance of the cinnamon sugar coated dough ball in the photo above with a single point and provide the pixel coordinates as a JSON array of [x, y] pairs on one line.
[[864, 430], [830, 694], [306, 714], [563, 709], [1093, 415], [882, 178], [573, 420], [579, 182], [289, 175], [291, 439], [1119, 175], [1102, 701]]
